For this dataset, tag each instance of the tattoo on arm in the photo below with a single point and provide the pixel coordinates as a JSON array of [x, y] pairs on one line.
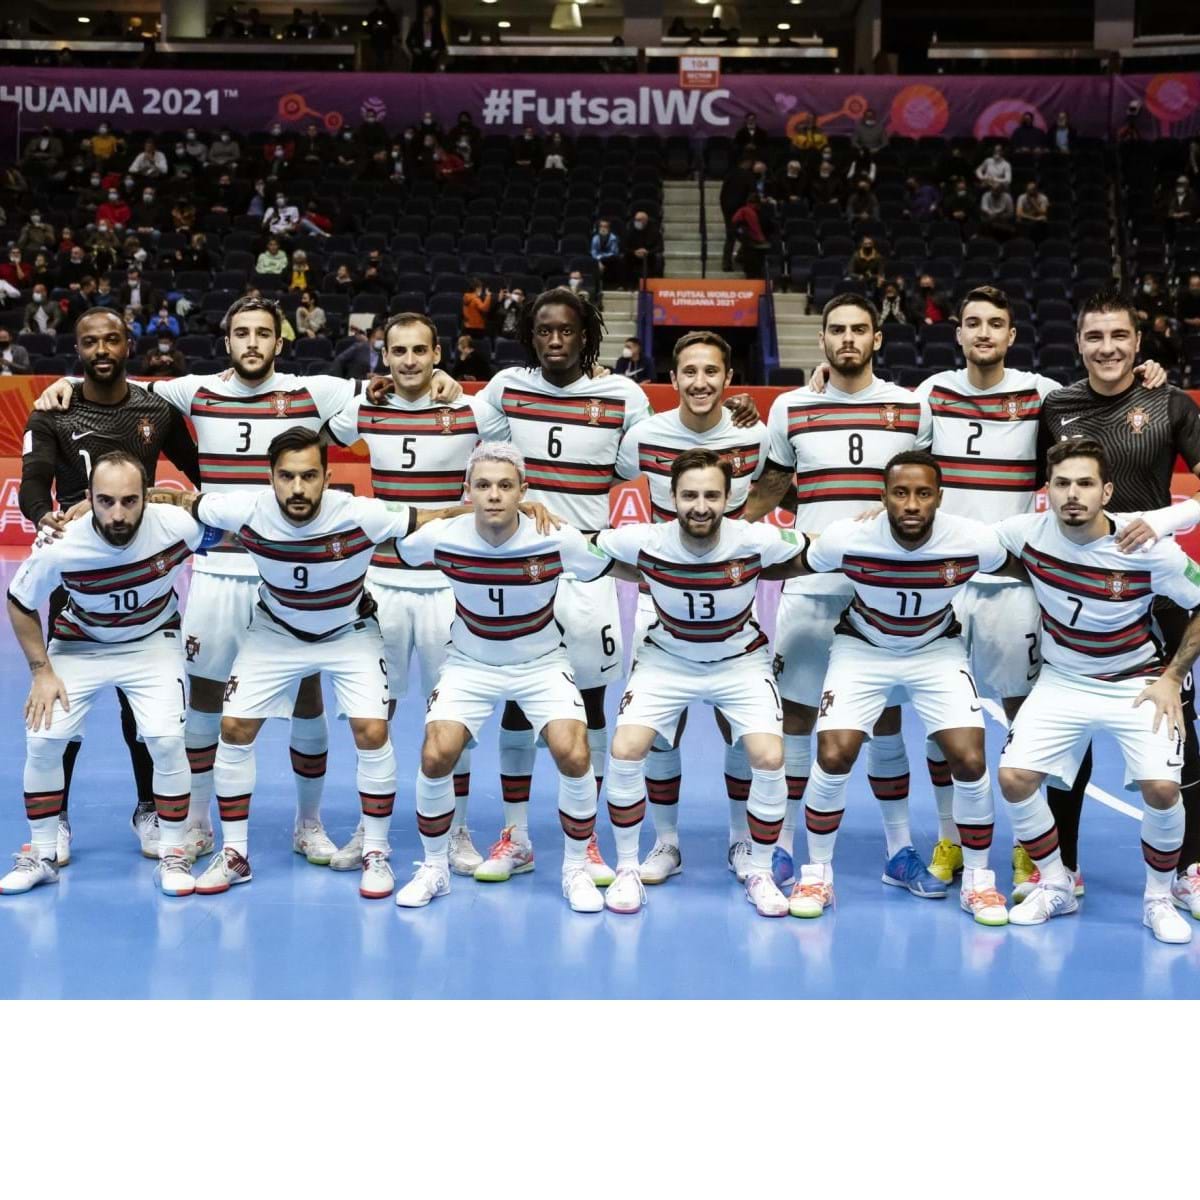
[[767, 491], [1189, 648]]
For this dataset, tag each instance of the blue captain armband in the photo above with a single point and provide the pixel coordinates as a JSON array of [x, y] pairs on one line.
[[210, 539]]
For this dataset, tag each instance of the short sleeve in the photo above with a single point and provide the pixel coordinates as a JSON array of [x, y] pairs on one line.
[[343, 425], [178, 393], [825, 553], [37, 577], [1012, 532], [637, 407], [228, 510], [582, 558], [924, 424], [1185, 421], [331, 394], [625, 543], [777, 545], [1175, 575], [993, 554], [779, 444], [764, 450], [628, 456], [380, 520], [418, 548]]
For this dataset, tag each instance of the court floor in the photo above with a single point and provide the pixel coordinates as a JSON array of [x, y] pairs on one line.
[[299, 931]]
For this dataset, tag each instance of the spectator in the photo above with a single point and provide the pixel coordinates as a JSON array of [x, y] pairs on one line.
[[748, 225], [923, 199], [862, 166], [750, 139], [382, 30], [996, 212], [363, 358], [995, 169], [164, 360], [866, 263], [472, 362], [386, 274], [283, 217], [319, 27], [103, 248], [115, 210], [1062, 136], [35, 235], [163, 321], [1027, 139], [132, 324], [14, 358], [74, 267], [1193, 159], [148, 218], [1162, 343], [298, 280], [315, 221], [864, 205], [631, 362], [151, 163], [272, 261], [1033, 210], [556, 154], [870, 134], [467, 128], [258, 205], [103, 144], [310, 316], [960, 205], [313, 146], [256, 27], [737, 185], [105, 296], [448, 167], [892, 304], [1179, 205], [370, 136], [807, 137], [135, 294], [788, 187], [929, 305], [1188, 304], [296, 30], [1151, 300], [1131, 130], [195, 256], [342, 283], [279, 145], [426, 44], [606, 252], [528, 149], [183, 215], [286, 330], [42, 315], [477, 303], [376, 167], [195, 148], [43, 270], [643, 248], [508, 313], [43, 153], [224, 153], [79, 299], [372, 281], [826, 188], [228, 198], [575, 282]]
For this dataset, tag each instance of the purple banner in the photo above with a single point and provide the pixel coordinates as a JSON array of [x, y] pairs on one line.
[[980, 106]]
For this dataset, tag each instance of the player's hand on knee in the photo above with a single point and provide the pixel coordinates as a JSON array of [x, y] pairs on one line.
[[545, 520], [45, 689], [1163, 693], [743, 410], [444, 389], [1150, 374], [56, 396]]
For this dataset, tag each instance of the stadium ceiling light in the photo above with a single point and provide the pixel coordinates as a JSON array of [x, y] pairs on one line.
[[503, 24], [783, 25], [84, 20], [488, 1], [566, 16]]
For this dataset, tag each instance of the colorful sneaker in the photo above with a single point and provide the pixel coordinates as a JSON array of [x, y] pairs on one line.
[[663, 861], [377, 882], [580, 892], [428, 882], [625, 894], [349, 857], [225, 869], [1025, 874], [600, 873], [980, 898], [310, 839], [905, 869], [174, 873], [464, 858], [198, 841], [738, 859], [1185, 891], [62, 852], [783, 868], [144, 824], [813, 893], [508, 857], [1035, 878], [1043, 903], [27, 873], [767, 899], [1159, 915], [946, 860]]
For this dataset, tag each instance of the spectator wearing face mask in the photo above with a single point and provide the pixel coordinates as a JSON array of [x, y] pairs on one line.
[[103, 144], [1187, 304], [750, 138], [35, 235], [1179, 206], [866, 263], [864, 204], [928, 305], [448, 167], [163, 360], [1151, 300], [42, 315], [132, 324], [577, 284], [115, 210], [224, 153], [606, 252], [163, 321], [258, 204], [556, 154], [643, 247], [472, 361], [363, 358], [134, 292], [341, 282], [151, 163], [195, 148], [527, 150], [282, 218], [315, 221], [105, 297], [73, 268], [43, 153], [892, 304], [346, 157], [826, 188], [477, 303], [148, 218], [183, 215], [103, 247], [14, 358], [310, 316], [298, 279], [1027, 140], [43, 270], [631, 362], [511, 303], [279, 145], [869, 135]]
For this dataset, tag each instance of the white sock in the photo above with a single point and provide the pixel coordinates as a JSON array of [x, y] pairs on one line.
[[598, 745], [309, 748], [737, 788], [797, 765], [943, 791], [172, 780], [824, 805], [376, 779], [435, 811], [765, 812], [975, 817], [887, 773], [462, 789], [1034, 825], [663, 768], [577, 814], [201, 734], [626, 807], [1162, 836], [44, 783], [234, 775]]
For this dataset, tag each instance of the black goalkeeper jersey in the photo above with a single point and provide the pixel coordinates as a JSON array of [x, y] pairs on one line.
[[1141, 429], [60, 447]]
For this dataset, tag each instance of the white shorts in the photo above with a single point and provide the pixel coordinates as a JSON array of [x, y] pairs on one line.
[[803, 638], [590, 619], [863, 680], [271, 664], [1064, 712], [413, 620], [149, 672], [468, 691], [215, 622], [644, 616], [1001, 628], [661, 686]]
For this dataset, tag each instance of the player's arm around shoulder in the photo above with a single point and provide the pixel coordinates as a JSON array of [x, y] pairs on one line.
[[621, 547]]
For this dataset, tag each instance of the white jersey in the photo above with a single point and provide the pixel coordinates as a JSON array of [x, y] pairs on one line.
[[704, 603], [114, 593], [504, 595], [235, 422], [419, 451], [902, 598], [1095, 601], [568, 436], [312, 574], [651, 447], [838, 444]]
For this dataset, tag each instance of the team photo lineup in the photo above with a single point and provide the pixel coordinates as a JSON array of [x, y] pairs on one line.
[[918, 575]]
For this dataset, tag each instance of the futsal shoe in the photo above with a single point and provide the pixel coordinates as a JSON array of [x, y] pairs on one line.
[[767, 899], [310, 839], [905, 869], [464, 858], [663, 861], [227, 868], [62, 846], [349, 857], [783, 869], [980, 898], [377, 882], [429, 881], [738, 859], [1077, 886], [1024, 873], [580, 892], [175, 874], [508, 857], [1159, 916], [813, 894], [599, 872], [144, 824], [625, 894], [28, 872], [1185, 891], [946, 860], [1043, 903], [197, 841]]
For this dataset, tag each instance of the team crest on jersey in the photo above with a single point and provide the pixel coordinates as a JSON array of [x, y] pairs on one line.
[[1117, 584], [734, 571], [335, 547], [595, 411], [146, 431], [951, 572], [1138, 419], [446, 416], [1013, 409], [826, 703], [160, 564], [890, 415], [280, 401], [736, 461], [191, 648], [535, 568]]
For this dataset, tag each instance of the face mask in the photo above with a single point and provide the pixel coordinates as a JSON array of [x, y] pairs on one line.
[[224, 137], [129, 181], [103, 227], [113, 197], [148, 197], [278, 151], [639, 224], [39, 297], [627, 353], [276, 130], [576, 284], [377, 344], [191, 135], [164, 347], [179, 151], [1147, 288], [103, 129], [347, 137]]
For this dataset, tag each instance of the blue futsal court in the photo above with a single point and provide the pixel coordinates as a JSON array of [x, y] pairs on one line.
[[299, 931]]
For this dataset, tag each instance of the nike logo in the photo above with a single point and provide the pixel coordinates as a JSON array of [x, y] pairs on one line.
[[1068, 420], [608, 668], [86, 433], [976, 707], [1172, 763]]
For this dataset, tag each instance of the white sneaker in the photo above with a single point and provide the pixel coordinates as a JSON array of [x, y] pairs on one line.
[[1185, 890], [310, 839], [511, 855], [663, 861], [1159, 915], [428, 882], [625, 894], [225, 869], [980, 898], [198, 841], [62, 853], [464, 858], [813, 892], [377, 882], [580, 892], [145, 829], [175, 874], [739, 860], [1043, 903], [599, 872], [27, 873], [767, 899], [349, 857]]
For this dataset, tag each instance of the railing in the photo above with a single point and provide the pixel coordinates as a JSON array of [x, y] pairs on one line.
[[645, 325], [703, 223], [767, 342]]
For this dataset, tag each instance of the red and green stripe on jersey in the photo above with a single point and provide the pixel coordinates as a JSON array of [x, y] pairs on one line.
[[127, 575], [327, 548], [250, 469], [658, 460], [599, 412], [1093, 583], [1096, 643], [980, 474], [442, 422], [418, 487], [700, 577], [893, 626], [320, 599], [1020, 405], [704, 631], [905, 575], [840, 483], [386, 555], [520, 571], [295, 405], [577, 479], [878, 417], [497, 628], [71, 625]]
